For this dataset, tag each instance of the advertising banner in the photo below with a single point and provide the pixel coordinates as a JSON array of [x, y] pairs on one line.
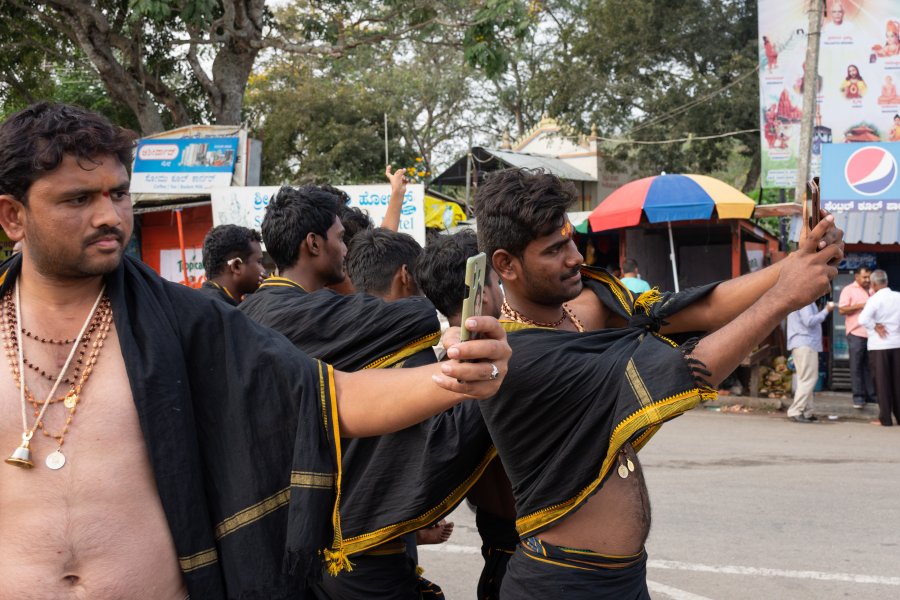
[[857, 87], [860, 177], [183, 166], [247, 206], [171, 267]]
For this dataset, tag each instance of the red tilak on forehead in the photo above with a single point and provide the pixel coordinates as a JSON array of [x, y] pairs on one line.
[[106, 194], [566, 231]]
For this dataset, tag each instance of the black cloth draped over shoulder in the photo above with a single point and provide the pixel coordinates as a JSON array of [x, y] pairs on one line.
[[214, 290], [392, 484], [570, 401], [242, 434]]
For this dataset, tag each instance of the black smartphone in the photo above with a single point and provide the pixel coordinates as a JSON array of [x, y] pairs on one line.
[[471, 306]]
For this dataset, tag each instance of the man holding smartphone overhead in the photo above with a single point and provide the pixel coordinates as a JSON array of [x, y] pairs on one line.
[[577, 407]]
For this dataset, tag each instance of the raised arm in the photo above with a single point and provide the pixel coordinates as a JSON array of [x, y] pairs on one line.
[[803, 277], [379, 401], [733, 297], [395, 204]]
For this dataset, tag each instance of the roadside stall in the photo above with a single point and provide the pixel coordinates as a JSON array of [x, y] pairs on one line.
[[172, 176], [690, 230]]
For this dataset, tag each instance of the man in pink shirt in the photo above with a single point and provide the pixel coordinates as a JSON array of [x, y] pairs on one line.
[[853, 299]]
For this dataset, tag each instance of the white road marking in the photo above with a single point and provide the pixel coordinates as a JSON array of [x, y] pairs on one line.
[[673, 593], [735, 570], [674, 565], [451, 548]]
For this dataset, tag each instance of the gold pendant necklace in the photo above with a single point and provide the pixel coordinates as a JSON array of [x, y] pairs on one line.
[[21, 456]]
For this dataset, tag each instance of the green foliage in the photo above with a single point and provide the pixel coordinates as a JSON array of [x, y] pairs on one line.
[[315, 128], [497, 24]]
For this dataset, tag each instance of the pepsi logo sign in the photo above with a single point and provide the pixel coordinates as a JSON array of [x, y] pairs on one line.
[[870, 171]]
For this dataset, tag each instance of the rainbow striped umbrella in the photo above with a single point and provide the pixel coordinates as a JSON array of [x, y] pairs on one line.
[[665, 198]]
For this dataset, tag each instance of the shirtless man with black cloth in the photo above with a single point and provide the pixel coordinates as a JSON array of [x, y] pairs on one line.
[[162, 444], [576, 407]]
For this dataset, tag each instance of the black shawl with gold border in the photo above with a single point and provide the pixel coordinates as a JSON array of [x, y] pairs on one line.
[[397, 483], [570, 401], [242, 434]]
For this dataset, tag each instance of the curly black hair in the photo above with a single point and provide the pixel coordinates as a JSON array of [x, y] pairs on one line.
[[441, 270], [225, 242], [34, 141], [375, 255], [294, 213], [516, 206], [354, 220]]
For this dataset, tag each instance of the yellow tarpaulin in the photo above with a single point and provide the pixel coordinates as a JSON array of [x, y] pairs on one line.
[[442, 215]]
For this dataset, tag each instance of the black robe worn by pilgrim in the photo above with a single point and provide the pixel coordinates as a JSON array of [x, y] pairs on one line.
[[214, 290], [570, 401], [397, 483], [242, 434]]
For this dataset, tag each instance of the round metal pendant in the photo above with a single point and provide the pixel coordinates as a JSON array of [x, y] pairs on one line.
[[623, 471], [630, 465], [71, 400], [55, 460]]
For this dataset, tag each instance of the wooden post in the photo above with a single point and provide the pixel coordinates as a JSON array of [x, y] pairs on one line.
[[184, 265], [810, 91]]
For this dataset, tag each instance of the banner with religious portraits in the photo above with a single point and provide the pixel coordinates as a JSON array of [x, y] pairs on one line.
[[857, 85]]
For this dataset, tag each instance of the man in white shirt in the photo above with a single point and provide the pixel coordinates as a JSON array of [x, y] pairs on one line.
[[804, 340], [881, 318]]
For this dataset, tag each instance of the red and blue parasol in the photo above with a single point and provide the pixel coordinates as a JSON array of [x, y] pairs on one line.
[[669, 198]]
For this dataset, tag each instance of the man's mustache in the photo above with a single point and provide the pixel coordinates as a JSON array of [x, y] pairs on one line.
[[104, 232]]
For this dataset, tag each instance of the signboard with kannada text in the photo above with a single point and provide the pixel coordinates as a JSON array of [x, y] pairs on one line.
[[183, 166], [860, 177], [246, 206]]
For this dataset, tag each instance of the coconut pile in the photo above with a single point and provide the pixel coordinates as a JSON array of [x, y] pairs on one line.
[[775, 379]]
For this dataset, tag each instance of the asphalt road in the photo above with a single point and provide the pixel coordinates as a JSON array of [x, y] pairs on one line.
[[750, 507]]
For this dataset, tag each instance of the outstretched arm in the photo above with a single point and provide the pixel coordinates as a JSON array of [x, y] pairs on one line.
[[731, 298], [804, 276], [379, 401], [395, 204]]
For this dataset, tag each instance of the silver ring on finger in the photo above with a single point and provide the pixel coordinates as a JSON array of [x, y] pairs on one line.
[[495, 372]]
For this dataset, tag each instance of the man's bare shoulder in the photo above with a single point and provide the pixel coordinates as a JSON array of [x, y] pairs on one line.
[[592, 313]]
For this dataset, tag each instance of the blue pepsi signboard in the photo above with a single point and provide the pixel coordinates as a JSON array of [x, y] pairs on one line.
[[860, 177], [183, 165]]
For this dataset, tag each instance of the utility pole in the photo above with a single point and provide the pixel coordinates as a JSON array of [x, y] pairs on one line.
[[810, 92], [387, 159], [469, 173]]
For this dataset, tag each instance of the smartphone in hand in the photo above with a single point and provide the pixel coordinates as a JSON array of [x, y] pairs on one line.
[[812, 204], [471, 307]]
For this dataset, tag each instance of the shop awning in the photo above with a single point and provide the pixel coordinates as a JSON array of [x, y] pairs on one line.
[[881, 227], [487, 160]]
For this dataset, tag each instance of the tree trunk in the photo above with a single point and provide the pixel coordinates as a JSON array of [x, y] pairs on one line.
[[231, 70], [753, 174]]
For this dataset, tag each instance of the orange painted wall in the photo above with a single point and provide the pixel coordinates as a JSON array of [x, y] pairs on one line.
[[159, 231]]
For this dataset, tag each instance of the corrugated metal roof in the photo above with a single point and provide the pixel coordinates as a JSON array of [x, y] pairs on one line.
[[556, 166], [862, 227]]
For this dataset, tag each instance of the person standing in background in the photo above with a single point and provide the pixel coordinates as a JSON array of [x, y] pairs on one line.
[[881, 317], [631, 278], [853, 299], [804, 331]]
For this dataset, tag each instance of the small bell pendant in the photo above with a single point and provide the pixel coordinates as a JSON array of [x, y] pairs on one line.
[[21, 457]]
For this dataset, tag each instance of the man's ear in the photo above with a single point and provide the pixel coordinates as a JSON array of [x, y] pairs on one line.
[[12, 217], [506, 265], [406, 278], [312, 244]]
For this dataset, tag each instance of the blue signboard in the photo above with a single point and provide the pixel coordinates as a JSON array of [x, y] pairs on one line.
[[185, 165], [860, 177]]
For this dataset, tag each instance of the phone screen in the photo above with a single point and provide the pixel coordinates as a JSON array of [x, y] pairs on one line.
[[471, 307]]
